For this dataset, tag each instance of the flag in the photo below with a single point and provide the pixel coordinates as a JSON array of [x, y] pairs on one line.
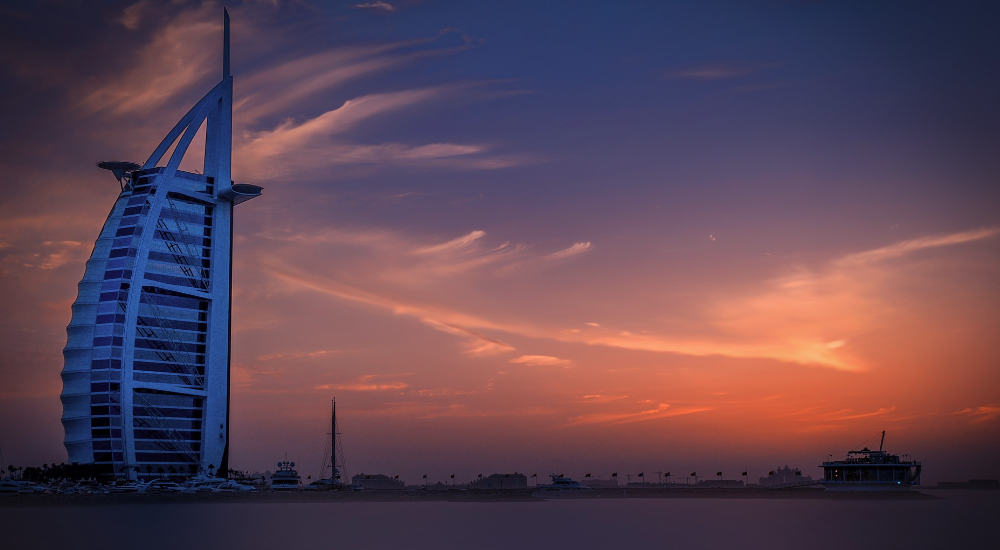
[[798, 473], [667, 474], [397, 477], [744, 473], [694, 474], [614, 474], [718, 474], [588, 475], [534, 475], [771, 473], [309, 477], [452, 476], [425, 476], [641, 474]]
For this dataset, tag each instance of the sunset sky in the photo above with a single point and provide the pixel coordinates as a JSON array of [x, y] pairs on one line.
[[545, 236]]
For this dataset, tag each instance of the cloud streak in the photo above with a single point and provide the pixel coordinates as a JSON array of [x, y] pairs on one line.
[[662, 410], [180, 54], [375, 6], [983, 413], [808, 317], [540, 360], [577, 248], [313, 145]]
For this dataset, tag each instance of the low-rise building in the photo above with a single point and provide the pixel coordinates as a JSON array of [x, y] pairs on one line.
[[377, 482], [779, 476], [500, 482]]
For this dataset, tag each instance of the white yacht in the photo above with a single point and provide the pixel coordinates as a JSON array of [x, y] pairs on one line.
[[202, 483], [286, 478], [561, 487], [233, 486], [16, 487], [162, 486]]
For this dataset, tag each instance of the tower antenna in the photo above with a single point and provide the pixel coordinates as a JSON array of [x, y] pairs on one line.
[[225, 44]]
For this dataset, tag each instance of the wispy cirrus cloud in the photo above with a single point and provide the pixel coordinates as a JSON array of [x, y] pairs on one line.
[[839, 416], [455, 244], [291, 89], [426, 410], [540, 360], [300, 355], [477, 344], [375, 6], [662, 410], [400, 269], [182, 52], [577, 248], [283, 87], [982, 413], [904, 248], [808, 317], [132, 15], [319, 143], [365, 384]]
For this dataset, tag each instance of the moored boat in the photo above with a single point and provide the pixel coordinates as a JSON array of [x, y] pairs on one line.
[[202, 483], [286, 478], [868, 470], [233, 486], [562, 487]]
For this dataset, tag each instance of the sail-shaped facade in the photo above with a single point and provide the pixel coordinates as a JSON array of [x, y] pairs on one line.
[[146, 371]]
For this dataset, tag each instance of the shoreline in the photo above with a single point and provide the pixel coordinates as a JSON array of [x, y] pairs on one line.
[[516, 495]]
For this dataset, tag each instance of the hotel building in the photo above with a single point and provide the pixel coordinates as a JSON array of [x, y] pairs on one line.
[[146, 372]]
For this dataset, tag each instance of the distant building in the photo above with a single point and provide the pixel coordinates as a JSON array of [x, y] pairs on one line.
[[722, 483], [377, 482], [501, 481], [779, 476], [600, 483]]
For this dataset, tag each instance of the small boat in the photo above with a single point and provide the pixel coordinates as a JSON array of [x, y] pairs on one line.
[[233, 486], [162, 486], [16, 487], [868, 470], [123, 486], [202, 483], [286, 478], [561, 487]]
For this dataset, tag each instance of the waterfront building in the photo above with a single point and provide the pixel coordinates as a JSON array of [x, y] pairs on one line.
[[500, 482], [595, 483], [780, 476], [377, 482], [146, 371], [721, 483]]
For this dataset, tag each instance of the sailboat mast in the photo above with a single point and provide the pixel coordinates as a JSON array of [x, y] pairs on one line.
[[333, 442], [880, 443]]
